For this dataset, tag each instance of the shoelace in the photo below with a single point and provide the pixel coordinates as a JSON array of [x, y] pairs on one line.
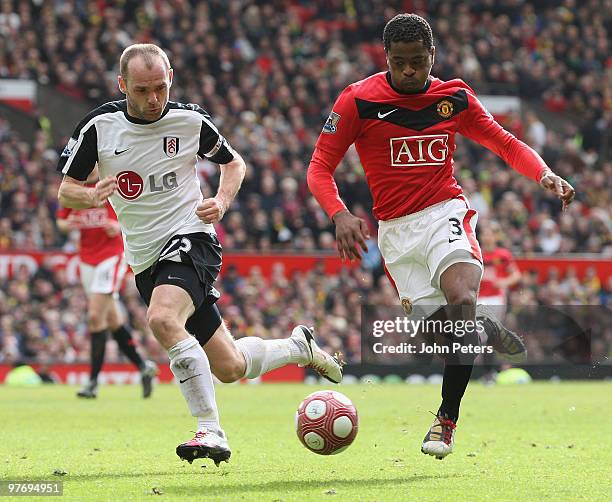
[[203, 435], [447, 426], [319, 369]]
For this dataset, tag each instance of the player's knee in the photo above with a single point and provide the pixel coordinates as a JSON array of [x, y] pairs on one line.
[[231, 370], [114, 322], [162, 322], [95, 321], [114, 326], [462, 297]]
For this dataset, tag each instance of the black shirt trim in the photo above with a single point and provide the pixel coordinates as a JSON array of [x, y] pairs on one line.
[[417, 120], [424, 89]]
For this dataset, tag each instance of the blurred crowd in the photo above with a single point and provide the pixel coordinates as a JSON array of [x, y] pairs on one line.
[[43, 316], [269, 72]]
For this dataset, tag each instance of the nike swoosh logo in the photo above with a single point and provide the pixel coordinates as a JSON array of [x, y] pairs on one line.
[[383, 115], [173, 277], [309, 338], [453, 240], [194, 376], [119, 152]]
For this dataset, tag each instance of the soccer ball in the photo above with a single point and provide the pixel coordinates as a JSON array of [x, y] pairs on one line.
[[326, 422]]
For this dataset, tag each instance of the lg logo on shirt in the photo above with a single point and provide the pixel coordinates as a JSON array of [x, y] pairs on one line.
[[413, 151], [130, 184]]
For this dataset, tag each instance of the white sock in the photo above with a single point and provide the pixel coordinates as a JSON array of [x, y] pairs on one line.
[[262, 356], [191, 368]]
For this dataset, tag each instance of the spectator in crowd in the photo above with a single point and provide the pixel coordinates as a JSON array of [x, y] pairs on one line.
[[267, 71], [275, 113], [55, 324]]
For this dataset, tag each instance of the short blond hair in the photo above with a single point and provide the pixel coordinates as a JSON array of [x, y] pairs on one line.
[[148, 52]]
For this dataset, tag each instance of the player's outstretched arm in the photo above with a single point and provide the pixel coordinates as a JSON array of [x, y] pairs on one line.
[[73, 194], [480, 126], [557, 185], [212, 210], [66, 225]]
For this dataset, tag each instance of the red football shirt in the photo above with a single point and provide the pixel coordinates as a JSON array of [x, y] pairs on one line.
[[406, 143], [96, 246], [497, 265]]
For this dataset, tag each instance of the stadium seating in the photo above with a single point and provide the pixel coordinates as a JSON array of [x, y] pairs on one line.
[[269, 78]]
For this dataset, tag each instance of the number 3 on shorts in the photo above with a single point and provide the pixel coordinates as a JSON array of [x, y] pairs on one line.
[[455, 230]]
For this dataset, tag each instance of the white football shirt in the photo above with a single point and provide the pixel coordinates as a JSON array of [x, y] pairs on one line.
[[155, 165]]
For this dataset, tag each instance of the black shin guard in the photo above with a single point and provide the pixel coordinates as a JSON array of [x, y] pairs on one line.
[[204, 322], [458, 363], [127, 346], [98, 347], [456, 378]]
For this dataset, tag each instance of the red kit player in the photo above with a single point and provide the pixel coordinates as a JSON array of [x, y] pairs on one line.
[[403, 124], [500, 274], [102, 269], [500, 270]]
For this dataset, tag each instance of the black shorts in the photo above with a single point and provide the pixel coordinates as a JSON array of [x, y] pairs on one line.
[[191, 262]]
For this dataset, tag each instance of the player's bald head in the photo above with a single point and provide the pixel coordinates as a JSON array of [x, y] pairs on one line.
[[149, 54], [145, 79]]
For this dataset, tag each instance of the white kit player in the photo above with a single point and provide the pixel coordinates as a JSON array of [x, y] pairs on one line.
[[146, 148]]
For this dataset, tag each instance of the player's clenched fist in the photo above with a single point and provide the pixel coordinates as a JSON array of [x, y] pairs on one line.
[[210, 210], [103, 190], [559, 187]]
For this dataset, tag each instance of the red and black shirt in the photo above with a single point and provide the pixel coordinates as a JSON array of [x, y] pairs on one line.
[[406, 143]]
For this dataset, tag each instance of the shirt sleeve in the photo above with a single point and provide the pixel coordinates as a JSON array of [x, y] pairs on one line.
[[339, 132], [80, 155], [62, 213], [509, 261], [213, 146], [480, 126]]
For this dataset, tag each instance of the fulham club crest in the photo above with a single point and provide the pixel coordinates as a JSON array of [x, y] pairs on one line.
[[171, 146]]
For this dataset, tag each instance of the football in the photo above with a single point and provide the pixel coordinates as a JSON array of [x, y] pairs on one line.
[[326, 422]]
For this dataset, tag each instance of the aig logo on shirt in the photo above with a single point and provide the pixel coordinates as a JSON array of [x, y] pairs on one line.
[[413, 151], [130, 184]]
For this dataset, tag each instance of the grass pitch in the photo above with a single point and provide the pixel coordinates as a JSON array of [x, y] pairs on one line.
[[536, 442]]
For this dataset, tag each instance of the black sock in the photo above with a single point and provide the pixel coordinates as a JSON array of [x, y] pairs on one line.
[[98, 346], [456, 378], [127, 346]]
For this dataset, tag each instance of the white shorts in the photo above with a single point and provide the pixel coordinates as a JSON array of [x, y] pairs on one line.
[[105, 277], [419, 247]]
